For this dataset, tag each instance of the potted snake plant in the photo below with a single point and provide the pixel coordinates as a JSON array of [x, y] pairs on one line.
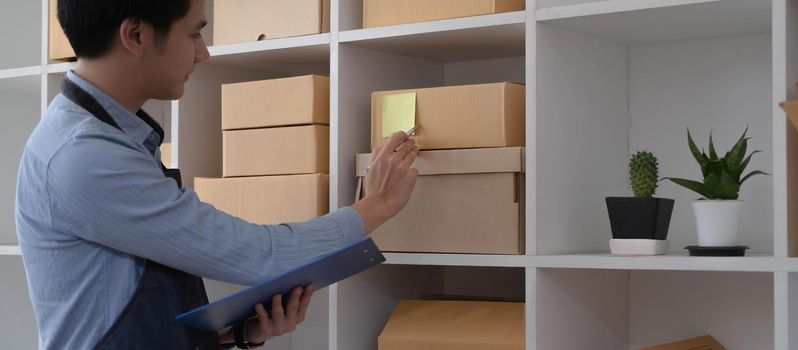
[[640, 224], [717, 212]]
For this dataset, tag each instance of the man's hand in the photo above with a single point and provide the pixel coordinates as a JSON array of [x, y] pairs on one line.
[[282, 320], [389, 181]]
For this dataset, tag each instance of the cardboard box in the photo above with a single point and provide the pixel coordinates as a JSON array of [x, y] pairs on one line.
[[276, 151], [791, 108], [467, 116], [378, 13], [58, 45], [465, 201], [236, 21], [454, 325], [267, 199], [166, 154], [700, 343], [277, 102]]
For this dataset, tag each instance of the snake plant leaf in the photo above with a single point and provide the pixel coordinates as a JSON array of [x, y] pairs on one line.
[[699, 156], [728, 188], [756, 172], [745, 164], [713, 155], [689, 184], [737, 153]]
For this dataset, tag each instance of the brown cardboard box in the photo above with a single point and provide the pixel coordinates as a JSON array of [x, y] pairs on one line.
[[465, 201], [58, 45], [700, 343], [166, 154], [454, 325], [276, 151], [378, 13], [236, 21], [267, 199], [467, 116], [276, 102], [791, 107]]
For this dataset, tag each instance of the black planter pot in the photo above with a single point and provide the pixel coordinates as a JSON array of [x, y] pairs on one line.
[[639, 218]]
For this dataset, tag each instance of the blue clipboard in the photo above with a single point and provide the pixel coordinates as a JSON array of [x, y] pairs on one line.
[[321, 272]]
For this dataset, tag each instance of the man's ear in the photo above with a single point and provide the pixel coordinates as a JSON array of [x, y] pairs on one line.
[[132, 36]]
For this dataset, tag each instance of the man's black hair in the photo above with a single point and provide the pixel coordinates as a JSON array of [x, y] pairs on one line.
[[91, 25]]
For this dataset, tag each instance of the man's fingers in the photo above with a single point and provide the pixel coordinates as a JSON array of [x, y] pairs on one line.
[[278, 315], [304, 303], [393, 143], [264, 323], [293, 309], [410, 157]]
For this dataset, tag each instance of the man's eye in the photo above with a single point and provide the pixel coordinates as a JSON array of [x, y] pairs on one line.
[[196, 35]]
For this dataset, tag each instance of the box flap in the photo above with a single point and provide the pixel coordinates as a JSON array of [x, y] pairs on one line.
[[460, 161], [483, 325]]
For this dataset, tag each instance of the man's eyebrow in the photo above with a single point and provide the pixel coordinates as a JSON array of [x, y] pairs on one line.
[[202, 24]]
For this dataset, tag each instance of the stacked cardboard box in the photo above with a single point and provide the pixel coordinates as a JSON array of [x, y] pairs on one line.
[[57, 44], [461, 325], [469, 197], [275, 151], [236, 21], [378, 13]]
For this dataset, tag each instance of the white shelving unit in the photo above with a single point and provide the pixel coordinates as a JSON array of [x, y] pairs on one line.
[[604, 79]]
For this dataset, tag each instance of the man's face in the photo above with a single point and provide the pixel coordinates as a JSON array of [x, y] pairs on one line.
[[170, 63]]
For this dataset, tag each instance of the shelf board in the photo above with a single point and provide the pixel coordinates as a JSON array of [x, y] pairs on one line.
[[451, 40], [634, 22], [284, 56], [8, 249], [61, 67], [20, 72], [436, 259], [680, 262]]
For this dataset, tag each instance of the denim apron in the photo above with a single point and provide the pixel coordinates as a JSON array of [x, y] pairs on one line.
[[148, 319]]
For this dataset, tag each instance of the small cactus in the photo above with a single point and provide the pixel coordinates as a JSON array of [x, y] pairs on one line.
[[643, 174]]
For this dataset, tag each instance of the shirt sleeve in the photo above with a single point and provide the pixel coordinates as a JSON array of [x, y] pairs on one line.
[[110, 191]]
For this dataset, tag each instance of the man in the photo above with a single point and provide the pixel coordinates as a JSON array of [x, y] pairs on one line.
[[111, 244]]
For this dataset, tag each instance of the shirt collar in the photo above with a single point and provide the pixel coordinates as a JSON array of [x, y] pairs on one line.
[[131, 124]]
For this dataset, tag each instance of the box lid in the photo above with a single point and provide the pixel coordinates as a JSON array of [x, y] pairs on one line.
[[460, 161], [489, 325]]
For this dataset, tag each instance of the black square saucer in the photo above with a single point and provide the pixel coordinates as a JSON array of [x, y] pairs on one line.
[[736, 250]]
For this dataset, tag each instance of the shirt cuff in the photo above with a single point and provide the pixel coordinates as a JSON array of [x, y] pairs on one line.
[[351, 224]]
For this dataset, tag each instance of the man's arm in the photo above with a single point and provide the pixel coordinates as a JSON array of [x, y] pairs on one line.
[[107, 191]]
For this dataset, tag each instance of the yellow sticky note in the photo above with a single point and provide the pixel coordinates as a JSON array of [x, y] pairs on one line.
[[398, 113]]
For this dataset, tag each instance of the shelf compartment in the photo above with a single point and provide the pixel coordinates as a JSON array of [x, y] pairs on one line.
[[638, 22], [451, 40], [366, 301], [286, 56], [599, 101], [616, 309]]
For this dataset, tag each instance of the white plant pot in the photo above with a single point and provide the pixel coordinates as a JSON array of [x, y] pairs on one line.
[[717, 222]]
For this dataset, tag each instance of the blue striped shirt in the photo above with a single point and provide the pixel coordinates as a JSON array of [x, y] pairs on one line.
[[92, 203]]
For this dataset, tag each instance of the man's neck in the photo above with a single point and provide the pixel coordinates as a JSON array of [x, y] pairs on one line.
[[113, 81]]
